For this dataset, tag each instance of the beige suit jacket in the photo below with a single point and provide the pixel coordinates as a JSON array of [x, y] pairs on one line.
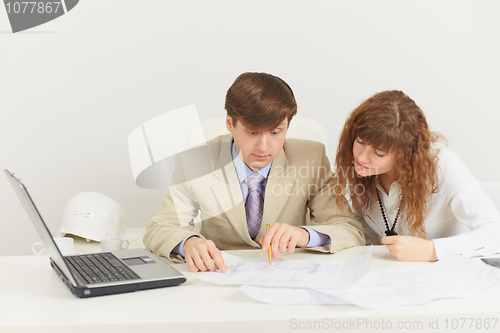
[[205, 182]]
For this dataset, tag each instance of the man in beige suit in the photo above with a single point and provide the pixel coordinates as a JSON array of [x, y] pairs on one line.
[[251, 177]]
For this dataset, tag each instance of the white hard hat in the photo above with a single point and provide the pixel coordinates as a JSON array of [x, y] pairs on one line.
[[93, 216]]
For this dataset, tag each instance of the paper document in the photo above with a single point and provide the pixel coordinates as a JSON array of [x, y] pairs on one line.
[[452, 276], [297, 273], [274, 295]]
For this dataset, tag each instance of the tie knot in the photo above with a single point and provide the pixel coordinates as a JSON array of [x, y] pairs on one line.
[[254, 179]]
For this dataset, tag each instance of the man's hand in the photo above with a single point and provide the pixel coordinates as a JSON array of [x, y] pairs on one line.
[[410, 248], [202, 255], [282, 236]]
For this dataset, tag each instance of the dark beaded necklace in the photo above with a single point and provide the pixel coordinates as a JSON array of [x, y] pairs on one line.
[[388, 231]]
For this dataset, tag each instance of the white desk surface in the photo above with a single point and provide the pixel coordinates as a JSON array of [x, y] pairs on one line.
[[33, 299]]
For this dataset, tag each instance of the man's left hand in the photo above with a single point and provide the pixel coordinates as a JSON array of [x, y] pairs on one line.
[[284, 237]]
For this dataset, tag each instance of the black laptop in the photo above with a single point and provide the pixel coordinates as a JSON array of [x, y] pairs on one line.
[[99, 274]]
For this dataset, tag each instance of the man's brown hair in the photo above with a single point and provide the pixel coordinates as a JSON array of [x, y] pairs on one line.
[[260, 101]]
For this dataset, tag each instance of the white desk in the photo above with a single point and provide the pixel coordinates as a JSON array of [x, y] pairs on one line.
[[33, 299]]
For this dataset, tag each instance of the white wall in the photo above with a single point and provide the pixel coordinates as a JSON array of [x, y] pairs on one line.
[[74, 88]]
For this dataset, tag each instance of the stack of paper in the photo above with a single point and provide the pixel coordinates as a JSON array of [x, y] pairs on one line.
[[297, 273], [298, 281]]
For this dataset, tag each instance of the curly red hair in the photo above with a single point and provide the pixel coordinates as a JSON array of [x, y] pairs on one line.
[[391, 121]]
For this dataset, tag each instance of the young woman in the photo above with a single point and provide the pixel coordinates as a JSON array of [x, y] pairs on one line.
[[410, 191]]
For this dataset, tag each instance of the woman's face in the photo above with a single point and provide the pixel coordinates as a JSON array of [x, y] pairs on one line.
[[370, 161]]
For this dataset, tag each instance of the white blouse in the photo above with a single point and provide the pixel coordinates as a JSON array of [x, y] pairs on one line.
[[460, 218]]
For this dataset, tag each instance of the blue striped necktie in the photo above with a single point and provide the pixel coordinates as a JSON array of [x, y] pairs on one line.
[[254, 205]]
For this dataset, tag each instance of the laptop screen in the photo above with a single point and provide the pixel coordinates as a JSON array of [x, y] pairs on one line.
[[39, 224]]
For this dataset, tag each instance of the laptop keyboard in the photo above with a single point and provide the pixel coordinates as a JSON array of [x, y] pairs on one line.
[[101, 267]]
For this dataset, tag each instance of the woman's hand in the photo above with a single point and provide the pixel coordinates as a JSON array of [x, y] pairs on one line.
[[410, 248]]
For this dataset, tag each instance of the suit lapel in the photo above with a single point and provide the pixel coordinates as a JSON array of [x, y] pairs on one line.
[[227, 190], [278, 189]]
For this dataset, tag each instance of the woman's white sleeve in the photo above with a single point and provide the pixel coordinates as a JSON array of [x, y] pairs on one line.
[[470, 205]]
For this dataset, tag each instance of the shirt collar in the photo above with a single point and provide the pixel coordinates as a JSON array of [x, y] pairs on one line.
[[242, 170], [393, 200]]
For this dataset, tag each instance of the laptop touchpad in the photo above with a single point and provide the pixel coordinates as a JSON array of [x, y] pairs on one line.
[[138, 261]]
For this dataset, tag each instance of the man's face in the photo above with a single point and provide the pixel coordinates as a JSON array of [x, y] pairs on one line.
[[257, 148]]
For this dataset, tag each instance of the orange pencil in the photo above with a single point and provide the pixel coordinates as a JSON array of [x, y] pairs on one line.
[[269, 250]]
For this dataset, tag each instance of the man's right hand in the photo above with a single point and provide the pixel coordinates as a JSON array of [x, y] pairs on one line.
[[202, 255]]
